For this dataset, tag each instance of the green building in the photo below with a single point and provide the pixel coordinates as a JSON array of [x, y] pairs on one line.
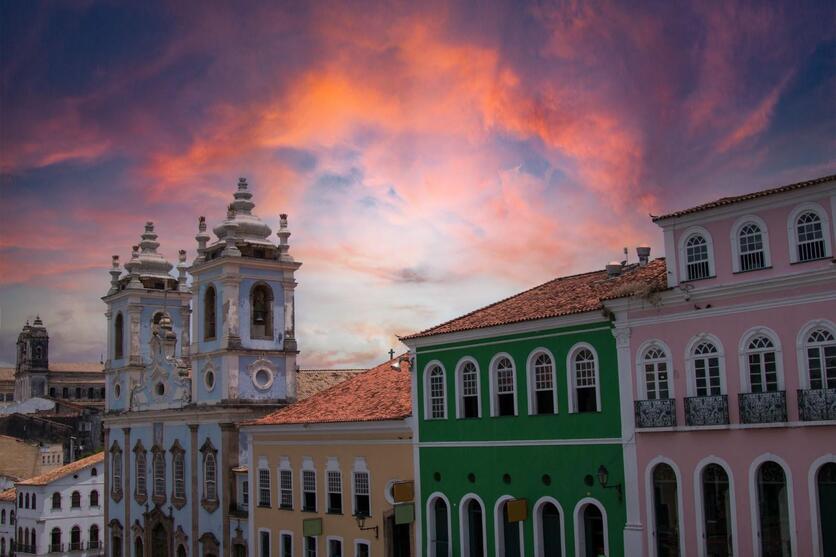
[[519, 442]]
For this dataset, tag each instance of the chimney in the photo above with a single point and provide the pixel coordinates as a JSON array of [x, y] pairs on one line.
[[613, 268], [644, 255]]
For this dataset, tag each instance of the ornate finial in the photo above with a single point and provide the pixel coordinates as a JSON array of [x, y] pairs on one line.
[[284, 234], [201, 224], [230, 212], [149, 226], [181, 271], [242, 184], [115, 262], [181, 256], [114, 275], [134, 251], [38, 322]]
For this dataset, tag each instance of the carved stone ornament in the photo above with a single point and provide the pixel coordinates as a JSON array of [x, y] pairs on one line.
[[262, 373]]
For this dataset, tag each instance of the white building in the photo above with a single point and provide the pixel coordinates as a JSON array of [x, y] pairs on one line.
[[61, 512], [7, 521]]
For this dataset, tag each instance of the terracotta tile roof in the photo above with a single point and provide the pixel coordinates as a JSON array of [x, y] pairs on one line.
[[8, 495], [311, 381], [66, 470], [76, 367], [723, 201], [381, 393], [19, 440], [559, 297]]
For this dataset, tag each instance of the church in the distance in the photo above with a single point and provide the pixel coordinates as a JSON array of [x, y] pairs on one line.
[[186, 363]]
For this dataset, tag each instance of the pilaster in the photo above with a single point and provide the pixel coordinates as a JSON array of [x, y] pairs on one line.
[[106, 493], [229, 310], [185, 340], [194, 494], [229, 457], [126, 482], [134, 312]]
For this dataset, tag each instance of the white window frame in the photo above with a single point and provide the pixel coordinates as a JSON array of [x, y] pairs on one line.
[[289, 533], [690, 360], [464, 538], [641, 383], [328, 541], [753, 501], [431, 527], [792, 237], [332, 466], [532, 382], [801, 347], [358, 542], [735, 242], [651, 509], [460, 387], [360, 466], [700, 506], [570, 368], [498, 531], [308, 466], [305, 545], [258, 541], [258, 503], [427, 393], [683, 257], [816, 527], [284, 466], [538, 524], [494, 387], [743, 353], [578, 521]]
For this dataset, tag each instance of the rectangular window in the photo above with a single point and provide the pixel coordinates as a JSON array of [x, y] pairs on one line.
[[245, 493], [287, 545], [179, 476], [707, 376], [141, 475], [470, 391], [286, 489], [310, 546], [264, 542], [335, 492], [362, 503], [309, 491], [335, 548], [264, 488]]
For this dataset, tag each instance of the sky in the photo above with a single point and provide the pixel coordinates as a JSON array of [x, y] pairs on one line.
[[432, 157]]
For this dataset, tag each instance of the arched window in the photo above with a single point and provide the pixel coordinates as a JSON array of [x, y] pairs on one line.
[[541, 384], [655, 364], [591, 537], [508, 534], [94, 536], [697, 262], [75, 500], [141, 470], [549, 530], [473, 523], [439, 528], [94, 498], [436, 393], [468, 385], [706, 364], [179, 464], [773, 510], [65, 392], [210, 477], [159, 474], [504, 384], [261, 306], [26, 500], [826, 484], [56, 501], [116, 467], [3, 516], [90, 393], [584, 369], [665, 511], [20, 500], [34, 501], [75, 539], [209, 320], [762, 365], [139, 547], [94, 472], [11, 517], [118, 337], [716, 511], [821, 359], [751, 247], [809, 237], [54, 541]]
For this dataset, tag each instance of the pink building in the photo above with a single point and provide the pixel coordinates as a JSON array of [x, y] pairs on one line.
[[731, 376]]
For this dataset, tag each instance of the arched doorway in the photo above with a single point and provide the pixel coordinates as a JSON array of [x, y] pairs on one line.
[[593, 533], [716, 511], [551, 531], [474, 530], [439, 531], [665, 511], [159, 541], [509, 541], [773, 510], [826, 482], [181, 551]]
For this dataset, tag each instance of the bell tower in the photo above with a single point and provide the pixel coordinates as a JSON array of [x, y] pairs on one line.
[[244, 346], [32, 364]]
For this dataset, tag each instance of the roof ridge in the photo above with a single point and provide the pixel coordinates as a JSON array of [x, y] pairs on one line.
[[67, 469]]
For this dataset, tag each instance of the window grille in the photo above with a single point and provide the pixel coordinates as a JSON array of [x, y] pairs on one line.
[[751, 248], [696, 256], [437, 393], [335, 492], [264, 488], [309, 490], [286, 489], [707, 370], [810, 237], [362, 503]]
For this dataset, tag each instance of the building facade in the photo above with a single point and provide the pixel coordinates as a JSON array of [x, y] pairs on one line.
[[327, 472], [8, 505], [178, 387], [60, 512], [519, 439], [733, 372]]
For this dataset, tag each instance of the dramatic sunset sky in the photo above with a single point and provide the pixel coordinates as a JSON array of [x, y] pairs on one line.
[[432, 157]]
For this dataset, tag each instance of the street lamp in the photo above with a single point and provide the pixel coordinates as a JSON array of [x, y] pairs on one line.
[[603, 479], [361, 522]]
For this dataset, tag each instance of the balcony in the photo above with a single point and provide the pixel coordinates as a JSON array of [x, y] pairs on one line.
[[656, 413], [763, 408], [707, 410], [816, 404]]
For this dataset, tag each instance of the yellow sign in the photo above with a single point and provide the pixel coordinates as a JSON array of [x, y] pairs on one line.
[[517, 510], [403, 492]]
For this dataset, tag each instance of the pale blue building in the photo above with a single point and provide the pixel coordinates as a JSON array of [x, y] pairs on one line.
[[178, 387]]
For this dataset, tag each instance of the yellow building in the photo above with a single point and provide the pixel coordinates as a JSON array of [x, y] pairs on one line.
[[332, 474]]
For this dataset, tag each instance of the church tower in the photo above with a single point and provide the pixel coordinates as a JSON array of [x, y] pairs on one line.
[[244, 345], [140, 301], [32, 364]]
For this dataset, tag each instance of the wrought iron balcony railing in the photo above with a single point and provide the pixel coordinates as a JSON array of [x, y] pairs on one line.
[[707, 410], [816, 404], [763, 408], [656, 413]]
